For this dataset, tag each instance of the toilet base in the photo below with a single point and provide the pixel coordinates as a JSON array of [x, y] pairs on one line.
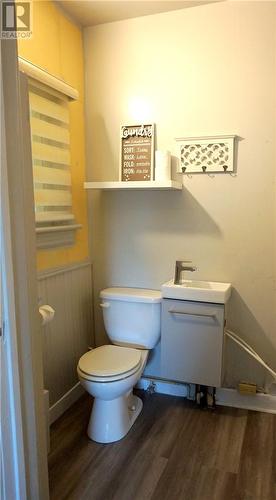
[[111, 420]]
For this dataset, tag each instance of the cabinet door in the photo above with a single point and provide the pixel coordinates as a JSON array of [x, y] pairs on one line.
[[192, 342]]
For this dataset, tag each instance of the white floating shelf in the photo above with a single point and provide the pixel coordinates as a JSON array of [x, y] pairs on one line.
[[135, 185]]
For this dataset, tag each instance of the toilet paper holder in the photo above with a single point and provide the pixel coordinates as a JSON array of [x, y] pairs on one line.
[[47, 313]]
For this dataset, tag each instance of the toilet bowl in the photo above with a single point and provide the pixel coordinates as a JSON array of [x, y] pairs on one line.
[[115, 408], [109, 372]]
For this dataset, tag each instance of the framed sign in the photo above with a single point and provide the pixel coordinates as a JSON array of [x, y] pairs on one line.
[[137, 152]]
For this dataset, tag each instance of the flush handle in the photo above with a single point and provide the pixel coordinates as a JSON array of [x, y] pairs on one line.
[[186, 313], [104, 305]]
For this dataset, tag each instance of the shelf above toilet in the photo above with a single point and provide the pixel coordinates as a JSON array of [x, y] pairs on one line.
[[135, 185]]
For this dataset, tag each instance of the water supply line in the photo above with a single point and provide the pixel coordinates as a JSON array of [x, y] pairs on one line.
[[246, 347]]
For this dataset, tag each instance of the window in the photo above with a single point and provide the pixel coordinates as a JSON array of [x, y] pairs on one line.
[[50, 134]]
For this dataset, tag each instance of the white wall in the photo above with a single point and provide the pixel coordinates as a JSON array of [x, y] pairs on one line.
[[203, 71]]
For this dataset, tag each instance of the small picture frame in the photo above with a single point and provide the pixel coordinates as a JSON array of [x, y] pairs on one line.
[[137, 152]]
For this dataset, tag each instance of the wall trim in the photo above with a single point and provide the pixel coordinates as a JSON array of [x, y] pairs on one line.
[[65, 402], [46, 413], [48, 273], [224, 397], [259, 402]]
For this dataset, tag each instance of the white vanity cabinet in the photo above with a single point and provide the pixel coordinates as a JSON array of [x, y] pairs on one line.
[[192, 342]]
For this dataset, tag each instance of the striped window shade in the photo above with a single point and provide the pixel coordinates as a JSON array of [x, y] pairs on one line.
[[49, 116]]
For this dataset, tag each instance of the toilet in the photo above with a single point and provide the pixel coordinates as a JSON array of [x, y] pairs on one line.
[[132, 319]]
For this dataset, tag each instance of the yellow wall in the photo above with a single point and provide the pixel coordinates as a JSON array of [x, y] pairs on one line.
[[57, 46]]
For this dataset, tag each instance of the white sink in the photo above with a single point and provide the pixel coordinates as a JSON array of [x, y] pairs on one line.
[[197, 291]]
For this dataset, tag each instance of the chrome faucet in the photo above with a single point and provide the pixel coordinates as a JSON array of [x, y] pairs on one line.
[[182, 265]]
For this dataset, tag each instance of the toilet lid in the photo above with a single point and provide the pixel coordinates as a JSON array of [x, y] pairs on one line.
[[109, 360], [132, 294]]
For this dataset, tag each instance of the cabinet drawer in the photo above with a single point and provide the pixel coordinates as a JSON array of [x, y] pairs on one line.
[[192, 342]]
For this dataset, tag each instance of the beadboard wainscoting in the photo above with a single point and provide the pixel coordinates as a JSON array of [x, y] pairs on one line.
[[69, 291]]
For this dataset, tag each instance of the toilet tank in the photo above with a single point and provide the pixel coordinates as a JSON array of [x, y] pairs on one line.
[[132, 316]]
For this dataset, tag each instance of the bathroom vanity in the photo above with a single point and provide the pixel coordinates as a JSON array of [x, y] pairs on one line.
[[192, 331]]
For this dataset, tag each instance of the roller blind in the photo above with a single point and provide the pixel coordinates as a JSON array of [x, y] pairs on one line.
[[49, 116]]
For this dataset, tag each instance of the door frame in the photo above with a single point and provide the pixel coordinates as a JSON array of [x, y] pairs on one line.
[[21, 347], [12, 457]]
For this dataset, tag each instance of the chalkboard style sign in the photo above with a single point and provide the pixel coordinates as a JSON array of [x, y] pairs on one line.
[[137, 153]]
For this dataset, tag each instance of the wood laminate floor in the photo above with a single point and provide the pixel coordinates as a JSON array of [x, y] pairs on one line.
[[174, 451]]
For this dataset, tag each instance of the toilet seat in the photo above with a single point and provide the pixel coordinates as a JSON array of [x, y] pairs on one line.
[[109, 363]]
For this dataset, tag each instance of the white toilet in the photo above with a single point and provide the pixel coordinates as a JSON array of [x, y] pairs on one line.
[[132, 319]]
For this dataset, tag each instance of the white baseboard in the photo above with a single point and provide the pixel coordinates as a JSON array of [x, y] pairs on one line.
[[164, 387], [257, 402], [65, 402], [224, 397]]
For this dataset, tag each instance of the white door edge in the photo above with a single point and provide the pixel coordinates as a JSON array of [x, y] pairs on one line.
[[22, 346], [12, 455]]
